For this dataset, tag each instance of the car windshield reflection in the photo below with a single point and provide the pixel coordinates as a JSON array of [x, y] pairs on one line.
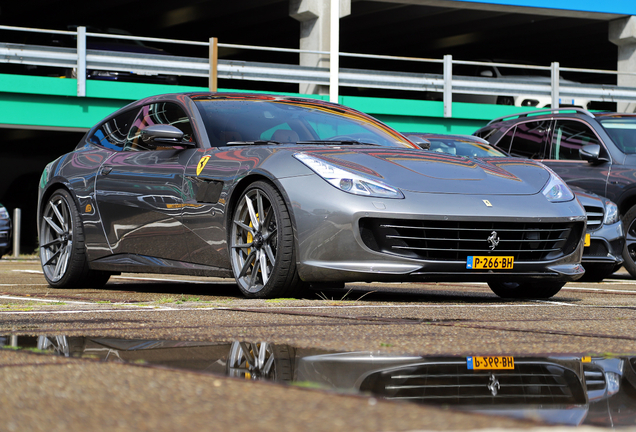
[[236, 120]]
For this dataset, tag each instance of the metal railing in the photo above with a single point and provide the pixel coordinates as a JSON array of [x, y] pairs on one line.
[[82, 59]]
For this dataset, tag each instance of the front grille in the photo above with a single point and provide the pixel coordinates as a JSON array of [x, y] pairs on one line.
[[594, 217], [455, 240], [454, 384]]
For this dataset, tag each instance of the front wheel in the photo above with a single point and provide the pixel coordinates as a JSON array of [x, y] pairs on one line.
[[62, 251], [530, 290], [260, 361], [629, 250], [262, 244]]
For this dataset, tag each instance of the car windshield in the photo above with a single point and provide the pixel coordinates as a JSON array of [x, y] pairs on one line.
[[622, 130], [243, 120], [460, 147]]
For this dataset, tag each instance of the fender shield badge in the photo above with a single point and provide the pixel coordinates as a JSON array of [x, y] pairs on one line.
[[485, 202], [204, 160]]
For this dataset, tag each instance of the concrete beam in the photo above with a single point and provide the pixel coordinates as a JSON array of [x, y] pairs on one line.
[[622, 32], [314, 17]]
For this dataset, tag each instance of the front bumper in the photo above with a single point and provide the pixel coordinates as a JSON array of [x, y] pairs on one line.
[[331, 248], [606, 245], [5, 239]]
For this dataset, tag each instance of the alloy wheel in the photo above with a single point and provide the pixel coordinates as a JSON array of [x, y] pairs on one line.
[[56, 238], [254, 241], [251, 360]]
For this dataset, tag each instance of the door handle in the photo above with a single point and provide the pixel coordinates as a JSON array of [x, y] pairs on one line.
[[106, 169]]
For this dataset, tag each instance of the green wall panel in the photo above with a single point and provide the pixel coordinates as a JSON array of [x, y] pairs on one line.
[[53, 102]]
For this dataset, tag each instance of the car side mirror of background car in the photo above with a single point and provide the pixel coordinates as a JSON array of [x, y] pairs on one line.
[[166, 135], [423, 143], [591, 153]]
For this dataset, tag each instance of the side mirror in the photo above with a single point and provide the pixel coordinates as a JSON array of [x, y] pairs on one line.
[[591, 153], [166, 135], [422, 143]]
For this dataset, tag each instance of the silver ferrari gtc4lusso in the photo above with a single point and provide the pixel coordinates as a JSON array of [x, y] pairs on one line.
[[283, 192]]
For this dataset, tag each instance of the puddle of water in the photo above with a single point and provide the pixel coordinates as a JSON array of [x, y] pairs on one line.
[[557, 389]]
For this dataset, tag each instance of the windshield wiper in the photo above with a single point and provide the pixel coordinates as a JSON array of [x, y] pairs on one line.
[[256, 142], [339, 142]]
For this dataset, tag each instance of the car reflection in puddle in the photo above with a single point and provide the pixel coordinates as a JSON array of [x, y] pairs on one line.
[[557, 389]]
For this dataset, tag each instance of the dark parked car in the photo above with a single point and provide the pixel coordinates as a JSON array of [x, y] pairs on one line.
[[281, 192], [594, 151], [5, 230], [604, 239]]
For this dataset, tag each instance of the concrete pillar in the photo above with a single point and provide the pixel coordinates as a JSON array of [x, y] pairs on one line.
[[314, 17], [622, 32]]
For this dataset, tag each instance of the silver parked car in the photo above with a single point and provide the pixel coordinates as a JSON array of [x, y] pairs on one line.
[[281, 192]]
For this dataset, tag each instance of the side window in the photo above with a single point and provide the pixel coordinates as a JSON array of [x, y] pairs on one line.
[[155, 114], [112, 134], [568, 137], [529, 140], [504, 143]]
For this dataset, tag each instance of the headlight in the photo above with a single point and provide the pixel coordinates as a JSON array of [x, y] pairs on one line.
[[613, 383], [556, 190], [4, 214], [347, 181], [611, 213]]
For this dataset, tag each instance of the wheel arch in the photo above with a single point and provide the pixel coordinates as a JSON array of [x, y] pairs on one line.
[[53, 186], [627, 203], [242, 185]]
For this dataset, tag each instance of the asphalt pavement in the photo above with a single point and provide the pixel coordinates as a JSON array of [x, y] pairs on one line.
[[41, 391]]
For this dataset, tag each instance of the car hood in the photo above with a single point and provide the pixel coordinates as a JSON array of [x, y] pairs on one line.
[[424, 171]]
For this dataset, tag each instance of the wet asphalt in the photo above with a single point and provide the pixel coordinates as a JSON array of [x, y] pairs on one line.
[[45, 392]]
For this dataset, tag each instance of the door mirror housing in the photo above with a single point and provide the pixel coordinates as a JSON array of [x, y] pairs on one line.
[[164, 135], [591, 153]]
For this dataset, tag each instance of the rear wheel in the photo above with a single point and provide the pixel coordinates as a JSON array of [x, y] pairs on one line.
[[529, 290], [629, 250], [62, 251], [262, 244]]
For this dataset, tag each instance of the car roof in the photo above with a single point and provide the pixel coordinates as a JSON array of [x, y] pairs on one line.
[[558, 112]]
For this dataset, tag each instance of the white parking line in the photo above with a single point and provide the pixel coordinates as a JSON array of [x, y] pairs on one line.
[[567, 287], [598, 289], [43, 300]]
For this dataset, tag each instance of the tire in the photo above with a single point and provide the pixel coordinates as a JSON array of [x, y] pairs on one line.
[[529, 290], [629, 250], [262, 244], [505, 100], [62, 250], [260, 361], [597, 272]]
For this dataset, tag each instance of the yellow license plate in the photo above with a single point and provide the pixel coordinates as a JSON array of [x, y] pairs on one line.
[[490, 262], [588, 240], [490, 362]]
